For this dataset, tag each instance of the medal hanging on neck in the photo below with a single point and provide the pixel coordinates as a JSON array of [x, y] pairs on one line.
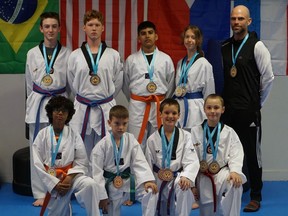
[[47, 80], [52, 170], [94, 79], [181, 89], [117, 181], [151, 86], [165, 173], [214, 166], [233, 70]]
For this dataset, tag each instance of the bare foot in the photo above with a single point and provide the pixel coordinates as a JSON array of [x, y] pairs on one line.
[[38, 202], [128, 203]]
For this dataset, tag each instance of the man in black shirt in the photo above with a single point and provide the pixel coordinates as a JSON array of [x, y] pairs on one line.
[[248, 80]]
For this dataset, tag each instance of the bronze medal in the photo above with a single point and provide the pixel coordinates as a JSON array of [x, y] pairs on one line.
[[184, 91], [178, 91], [51, 171], [203, 166], [233, 71], [165, 175], [118, 182], [214, 167], [95, 79], [151, 87], [47, 80]]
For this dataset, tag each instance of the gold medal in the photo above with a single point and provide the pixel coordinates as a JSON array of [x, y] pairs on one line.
[[203, 166], [214, 167], [165, 175], [51, 171], [151, 87], [118, 182], [178, 91], [233, 71], [95, 79], [47, 80]]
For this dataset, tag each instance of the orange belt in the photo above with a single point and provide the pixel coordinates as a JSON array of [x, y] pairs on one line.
[[60, 172], [148, 100]]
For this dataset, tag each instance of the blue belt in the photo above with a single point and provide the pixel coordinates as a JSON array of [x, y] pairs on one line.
[[187, 96], [45, 93], [93, 103]]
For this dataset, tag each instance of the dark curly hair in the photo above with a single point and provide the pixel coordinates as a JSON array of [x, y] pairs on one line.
[[60, 103]]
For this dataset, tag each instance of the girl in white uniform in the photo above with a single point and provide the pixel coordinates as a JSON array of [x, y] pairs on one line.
[[194, 80]]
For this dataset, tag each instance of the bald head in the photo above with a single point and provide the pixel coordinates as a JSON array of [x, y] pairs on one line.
[[240, 20], [241, 9]]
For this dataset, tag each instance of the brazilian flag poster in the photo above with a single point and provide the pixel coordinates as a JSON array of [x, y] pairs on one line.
[[19, 31]]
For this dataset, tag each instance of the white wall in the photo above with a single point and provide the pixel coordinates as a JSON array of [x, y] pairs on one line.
[[275, 129]]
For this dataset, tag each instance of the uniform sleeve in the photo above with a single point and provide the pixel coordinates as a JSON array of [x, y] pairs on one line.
[[263, 61], [126, 80], [170, 78], [97, 164], [80, 163], [209, 87], [118, 74], [148, 152], [190, 161], [39, 153], [139, 164], [28, 78], [236, 154], [71, 68]]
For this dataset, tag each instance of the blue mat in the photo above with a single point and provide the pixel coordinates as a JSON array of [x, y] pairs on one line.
[[275, 202]]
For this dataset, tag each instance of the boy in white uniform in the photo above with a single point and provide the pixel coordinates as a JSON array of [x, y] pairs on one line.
[[112, 161], [45, 76], [219, 149], [95, 74], [171, 155], [61, 163], [148, 79]]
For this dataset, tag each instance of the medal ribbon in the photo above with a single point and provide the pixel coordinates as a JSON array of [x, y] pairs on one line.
[[94, 64], [185, 68], [150, 67], [210, 135], [240, 47], [49, 66], [166, 149], [54, 153], [117, 153]]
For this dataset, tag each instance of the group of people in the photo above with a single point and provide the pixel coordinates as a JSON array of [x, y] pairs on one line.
[[107, 154]]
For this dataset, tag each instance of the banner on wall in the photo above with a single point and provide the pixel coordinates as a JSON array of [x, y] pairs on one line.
[[19, 31], [19, 26]]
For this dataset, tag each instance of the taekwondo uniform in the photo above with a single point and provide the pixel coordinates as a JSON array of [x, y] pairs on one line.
[[133, 160], [184, 162], [38, 94], [136, 81], [230, 159], [71, 153]]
